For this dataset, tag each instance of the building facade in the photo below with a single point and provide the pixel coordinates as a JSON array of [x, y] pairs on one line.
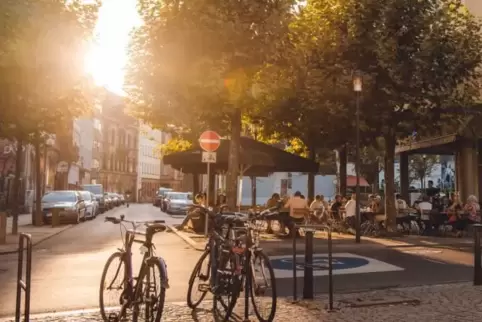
[[115, 146], [152, 172]]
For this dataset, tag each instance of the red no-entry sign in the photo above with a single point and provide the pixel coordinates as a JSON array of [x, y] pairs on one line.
[[209, 141]]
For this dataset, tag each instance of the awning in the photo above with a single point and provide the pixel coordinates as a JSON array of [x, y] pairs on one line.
[[351, 181], [436, 145]]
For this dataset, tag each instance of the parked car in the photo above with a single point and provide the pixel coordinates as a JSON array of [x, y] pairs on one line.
[[90, 204], [69, 202], [159, 199], [109, 203], [178, 202], [115, 199], [98, 191]]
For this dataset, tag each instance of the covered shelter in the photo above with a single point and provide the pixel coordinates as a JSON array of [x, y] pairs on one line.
[[463, 143], [256, 159]]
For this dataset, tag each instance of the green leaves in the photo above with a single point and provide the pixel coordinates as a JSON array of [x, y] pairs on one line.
[[195, 62], [43, 46]]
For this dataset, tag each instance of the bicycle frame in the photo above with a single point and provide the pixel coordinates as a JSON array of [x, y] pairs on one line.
[[132, 291]]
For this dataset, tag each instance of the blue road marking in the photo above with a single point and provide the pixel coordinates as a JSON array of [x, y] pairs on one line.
[[320, 262]]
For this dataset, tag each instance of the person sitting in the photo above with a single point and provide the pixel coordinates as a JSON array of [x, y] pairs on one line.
[[271, 203], [424, 208], [455, 207], [335, 208], [403, 219], [296, 205], [350, 211], [317, 207]]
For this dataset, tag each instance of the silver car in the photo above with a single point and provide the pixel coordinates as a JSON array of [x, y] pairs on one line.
[[90, 204], [69, 202], [178, 202]]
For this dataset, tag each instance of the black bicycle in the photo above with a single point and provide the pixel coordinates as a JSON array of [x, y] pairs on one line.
[[233, 258], [143, 296]]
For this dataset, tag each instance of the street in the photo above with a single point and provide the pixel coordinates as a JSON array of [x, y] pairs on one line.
[[66, 269]]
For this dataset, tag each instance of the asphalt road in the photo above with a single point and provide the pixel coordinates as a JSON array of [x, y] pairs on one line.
[[417, 265], [67, 268]]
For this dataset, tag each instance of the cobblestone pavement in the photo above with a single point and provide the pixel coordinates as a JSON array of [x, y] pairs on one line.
[[441, 303]]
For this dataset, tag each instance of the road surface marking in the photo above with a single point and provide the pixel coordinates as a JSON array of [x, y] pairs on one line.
[[343, 263]]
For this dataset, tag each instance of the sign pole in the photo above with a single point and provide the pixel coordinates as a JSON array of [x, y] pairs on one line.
[[206, 220]]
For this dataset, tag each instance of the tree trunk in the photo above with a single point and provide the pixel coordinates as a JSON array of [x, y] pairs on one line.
[[16, 185], [195, 183], [390, 208], [343, 178], [311, 177], [38, 184], [253, 191], [233, 159], [212, 188]]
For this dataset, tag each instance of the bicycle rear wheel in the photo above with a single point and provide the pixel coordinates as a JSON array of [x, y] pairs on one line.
[[263, 287], [151, 296], [202, 274], [117, 283], [229, 282]]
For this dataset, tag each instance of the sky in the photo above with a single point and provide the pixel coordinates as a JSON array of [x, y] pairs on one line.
[[108, 56]]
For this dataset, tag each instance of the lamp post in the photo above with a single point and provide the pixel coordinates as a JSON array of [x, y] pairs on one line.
[[357, 87]]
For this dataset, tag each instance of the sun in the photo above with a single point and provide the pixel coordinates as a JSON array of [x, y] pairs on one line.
[[107, 55]]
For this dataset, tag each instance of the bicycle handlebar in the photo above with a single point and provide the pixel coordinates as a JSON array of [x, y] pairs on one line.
[[116, 220]]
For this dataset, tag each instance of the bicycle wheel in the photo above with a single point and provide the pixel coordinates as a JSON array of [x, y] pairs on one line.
[[109, 305], [202, 275], [228, 287], [151, 298], [263, 287]]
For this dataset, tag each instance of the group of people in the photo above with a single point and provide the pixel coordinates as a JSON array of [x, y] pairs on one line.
[[440, 209]]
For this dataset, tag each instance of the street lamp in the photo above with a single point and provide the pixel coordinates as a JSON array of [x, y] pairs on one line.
[[357, 87]]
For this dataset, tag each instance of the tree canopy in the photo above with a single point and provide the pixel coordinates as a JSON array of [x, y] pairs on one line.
[[192, 63], [43, 44]]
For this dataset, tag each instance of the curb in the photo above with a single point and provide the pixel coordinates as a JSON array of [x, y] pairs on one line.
[[35, 243], [188, 240]]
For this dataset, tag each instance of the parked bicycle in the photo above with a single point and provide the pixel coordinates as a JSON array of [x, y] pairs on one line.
[[232, 254], [143, 296]]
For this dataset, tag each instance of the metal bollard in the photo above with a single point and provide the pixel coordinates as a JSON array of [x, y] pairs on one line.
[[308, 278], [330, 270], [477, 255], [55, 217], [295, 281], [3, 228]]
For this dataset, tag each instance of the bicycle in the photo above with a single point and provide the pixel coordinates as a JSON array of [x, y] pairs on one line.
[[263, 285], [243, 252], [140, 291], [222, 276]]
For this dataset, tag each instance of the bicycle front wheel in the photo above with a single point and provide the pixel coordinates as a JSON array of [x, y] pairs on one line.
[[151, 295], [196, 292], [112, 287], [263, 287]]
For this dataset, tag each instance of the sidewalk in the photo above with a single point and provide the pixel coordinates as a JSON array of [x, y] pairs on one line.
[[441, 303], [38, 234]]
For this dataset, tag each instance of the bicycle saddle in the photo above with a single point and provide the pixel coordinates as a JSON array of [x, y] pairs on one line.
[[233, 218], [156, 227]]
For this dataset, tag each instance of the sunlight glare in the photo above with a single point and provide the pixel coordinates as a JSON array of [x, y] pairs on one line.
[[107, 56]]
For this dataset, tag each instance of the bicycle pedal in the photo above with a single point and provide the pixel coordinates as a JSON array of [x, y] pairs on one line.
[[203, 287]]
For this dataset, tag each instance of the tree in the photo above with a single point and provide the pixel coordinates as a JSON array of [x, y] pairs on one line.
[[43, 83], [416, 57], [194, 61], [421, 167]]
